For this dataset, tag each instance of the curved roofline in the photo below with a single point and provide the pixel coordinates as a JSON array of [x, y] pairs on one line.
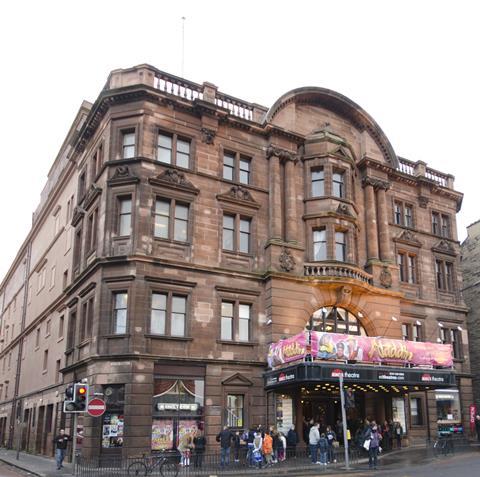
[[341, 105]]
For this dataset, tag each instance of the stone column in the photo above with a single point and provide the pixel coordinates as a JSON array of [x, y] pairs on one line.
[[371, 218], [291, 225], [275, 199], [383, 229]]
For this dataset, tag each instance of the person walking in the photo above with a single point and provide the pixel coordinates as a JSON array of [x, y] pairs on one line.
[[267, 448], [292, 441], [199, 444], [313, 438], [331, 438], [61, 442], [477, 426], [225, 439], [398, 432], [386, 431], [374, 438]]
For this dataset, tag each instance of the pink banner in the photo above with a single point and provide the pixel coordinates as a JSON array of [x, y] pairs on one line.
[[363, 349]]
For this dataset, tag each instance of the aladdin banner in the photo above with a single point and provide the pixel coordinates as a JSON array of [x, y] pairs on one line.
[[363, 349]]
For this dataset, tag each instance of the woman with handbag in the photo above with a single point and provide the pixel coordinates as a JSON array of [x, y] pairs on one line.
[[373, 440]]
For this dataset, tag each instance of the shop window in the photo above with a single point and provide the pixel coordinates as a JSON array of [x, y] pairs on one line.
[[318, 182], [444, 275], [235, 411], [237, 167], [236, 233], [320, 245], [336, 320], [407, 267], [398, 412], [128, 145], [235, 321], [113, 419], [178, 408], [172, 149], [120, 300], [338, 184], [448, 406], [168, 314], [171, 220], [416, 411]]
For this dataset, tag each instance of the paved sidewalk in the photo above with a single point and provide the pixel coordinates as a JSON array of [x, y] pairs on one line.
[[34, 464]]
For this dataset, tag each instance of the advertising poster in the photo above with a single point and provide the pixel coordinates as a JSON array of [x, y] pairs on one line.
[[186, 425], [112, 430], [162, 434]]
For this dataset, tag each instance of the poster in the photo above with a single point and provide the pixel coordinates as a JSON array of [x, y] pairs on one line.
[[363, 349], [186, 425], [162, 434], [112, 430]]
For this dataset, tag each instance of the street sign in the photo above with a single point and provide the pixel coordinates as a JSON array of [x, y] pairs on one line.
[[96, 407]]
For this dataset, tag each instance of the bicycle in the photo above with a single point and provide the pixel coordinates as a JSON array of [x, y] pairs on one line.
[[442, 446], [147, 464]]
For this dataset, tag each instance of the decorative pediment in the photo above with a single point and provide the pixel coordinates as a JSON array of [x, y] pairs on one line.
[[409, 238], [92, 194], [122, 175], [239, 195], [342, 152], [343, 209], [174, 179], [237, 379], [78, 214], [445, 247]]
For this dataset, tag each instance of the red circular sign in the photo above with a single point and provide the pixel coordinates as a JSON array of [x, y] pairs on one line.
[[96, 407]]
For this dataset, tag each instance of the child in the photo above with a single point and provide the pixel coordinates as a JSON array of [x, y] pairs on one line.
[[323, 448]]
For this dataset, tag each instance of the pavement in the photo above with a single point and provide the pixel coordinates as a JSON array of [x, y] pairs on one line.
[[408, 462]]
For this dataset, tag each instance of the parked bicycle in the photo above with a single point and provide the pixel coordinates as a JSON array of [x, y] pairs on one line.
[[168, 465], [442, 446]]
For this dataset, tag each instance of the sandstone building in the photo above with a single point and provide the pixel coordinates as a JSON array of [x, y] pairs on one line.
[[183, 230]]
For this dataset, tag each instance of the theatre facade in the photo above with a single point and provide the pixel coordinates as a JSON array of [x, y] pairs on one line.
[[206, 261]]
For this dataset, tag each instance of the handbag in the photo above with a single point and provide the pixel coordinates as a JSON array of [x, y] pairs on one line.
[[336, 444], [366, 444]]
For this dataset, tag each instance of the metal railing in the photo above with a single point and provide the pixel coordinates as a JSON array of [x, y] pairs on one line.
[[207, 464]]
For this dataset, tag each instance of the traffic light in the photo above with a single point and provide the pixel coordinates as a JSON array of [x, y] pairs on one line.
[[76, 398], [80, 397]]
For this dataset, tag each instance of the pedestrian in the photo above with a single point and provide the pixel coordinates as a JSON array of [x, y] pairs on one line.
[[292, 441], [398, 431], [323, 448], [374, 445], [331, 438], [477, 426], [267, 448], [199, 444], [275, 444], [257, 449], [313, 438], [184, 447], [282, 447], [61, 442], [236, 446], [225, 439], [250, 447], [386, 436]]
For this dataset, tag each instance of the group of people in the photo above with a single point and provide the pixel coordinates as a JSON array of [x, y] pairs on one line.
[[322, 444], [192, 443]]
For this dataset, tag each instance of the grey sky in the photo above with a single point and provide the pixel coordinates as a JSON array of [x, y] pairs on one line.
[[413, 65]]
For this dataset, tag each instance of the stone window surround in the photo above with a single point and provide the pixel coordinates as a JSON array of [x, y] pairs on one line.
[[329, 166], [406, 252], [238, 213], [239, 151], [121, 126], [119, 194], [115, 285], [175, 135], [440, 216], [444, 260], [403, 204], [331, 226]]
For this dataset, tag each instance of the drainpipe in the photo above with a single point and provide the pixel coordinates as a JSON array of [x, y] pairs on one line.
[[15, 402]]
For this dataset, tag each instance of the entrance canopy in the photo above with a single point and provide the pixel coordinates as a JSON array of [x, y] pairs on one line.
[[382, 378]]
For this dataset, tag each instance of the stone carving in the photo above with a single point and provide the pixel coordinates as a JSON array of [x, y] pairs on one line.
[[175, 177], [343, 209], [208, 135], [344, 295], [444, 246], [282, 154], [376, 183], [408, 236], [122, 175], [287, 262], [121, 172], [423, 201], [240, 193], [385, 278]]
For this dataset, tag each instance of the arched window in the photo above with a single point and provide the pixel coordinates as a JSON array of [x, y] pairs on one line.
[[334, 319]]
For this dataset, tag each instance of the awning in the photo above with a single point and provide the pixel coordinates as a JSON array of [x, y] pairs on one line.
[[311, 372]]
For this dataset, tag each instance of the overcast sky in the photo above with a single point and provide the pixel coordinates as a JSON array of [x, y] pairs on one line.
[[412, 65]]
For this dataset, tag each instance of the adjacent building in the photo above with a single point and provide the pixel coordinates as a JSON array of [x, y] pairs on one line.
[[182, 231]]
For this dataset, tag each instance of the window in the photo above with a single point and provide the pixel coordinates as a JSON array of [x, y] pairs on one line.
[[82, 186], [237, 167], [173, 150], [335, 320], [61, 326], [86, 319], [448, 406], [320, 245], [235, 411], [441, 224], [318, 182], [9, 360], [407, 267], [340, 246], [52, 276], [236, 233], [403, 214], [338, 186], [235, 321], [164, 227], [168, 314], [37, 338], [56, 223], [77, 249], [45, 360], [128, 145], [125, 216], [96, 163], [58, 374], [417, 332], [65, 279], [416, 411], [72, 325], [405, 331], [444, 275], [41, 278], [120, 313], [455, 340], [48, 328], [91, 238]]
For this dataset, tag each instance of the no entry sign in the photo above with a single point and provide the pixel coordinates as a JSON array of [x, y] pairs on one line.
[[96, 407]]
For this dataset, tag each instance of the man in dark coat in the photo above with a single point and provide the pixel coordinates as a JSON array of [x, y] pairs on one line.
[[477, 426], [61, 443], [292, 441], [225, 439]]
